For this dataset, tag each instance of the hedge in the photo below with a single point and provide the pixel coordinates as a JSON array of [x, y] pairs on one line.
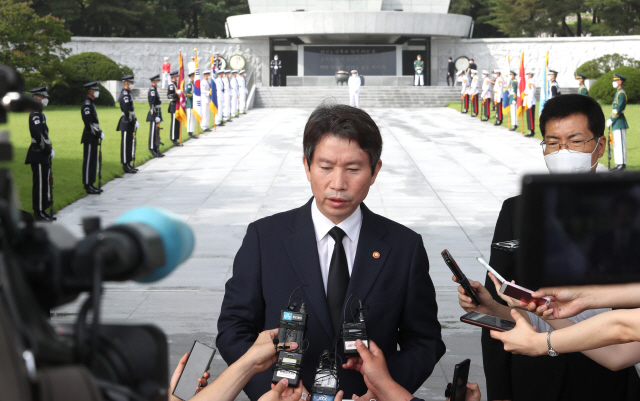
[[604, 91], [596, 68]]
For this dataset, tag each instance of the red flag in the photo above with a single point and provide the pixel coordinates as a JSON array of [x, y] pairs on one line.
[[522, 85], [181, 107]]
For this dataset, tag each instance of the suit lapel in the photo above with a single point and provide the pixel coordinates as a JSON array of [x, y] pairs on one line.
[[366, 266], [302, 249]]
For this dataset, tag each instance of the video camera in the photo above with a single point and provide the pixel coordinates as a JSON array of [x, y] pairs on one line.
[[45, 266]]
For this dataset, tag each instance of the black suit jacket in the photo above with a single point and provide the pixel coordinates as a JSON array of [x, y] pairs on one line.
[[280, 252], [566, 377]]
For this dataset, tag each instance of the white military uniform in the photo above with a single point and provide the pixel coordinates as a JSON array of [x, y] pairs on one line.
[[486, 86], [205, 97], [227, 97], [191, 67], [220, 95], [234, 94], [464, 80], [354, 89], [498, 89], [529, 94], [242, 95]]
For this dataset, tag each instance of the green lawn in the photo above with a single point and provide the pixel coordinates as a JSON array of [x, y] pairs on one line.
[[65, 131], [632, 114]]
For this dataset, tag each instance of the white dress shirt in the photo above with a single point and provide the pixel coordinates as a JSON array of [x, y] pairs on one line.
[[322, 225]]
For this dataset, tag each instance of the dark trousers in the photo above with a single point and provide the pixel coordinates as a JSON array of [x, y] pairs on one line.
[[41, 191], [451, 77], [487, 107], [466, 102], [275, 79], [154, 137], [475, 105], [126, 146], [175, 128], [499, 111], [89, 163], [531, 118]]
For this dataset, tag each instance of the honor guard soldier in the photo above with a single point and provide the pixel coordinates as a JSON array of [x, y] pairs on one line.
[[191, 65], [618, 123], [583, 89], [354, 84], [243, 92], [174, 95], [418, 67], [154, 117], [486, 96], [473, 92], [205, 91], [39, 156], [499, 85], [513, 101], [464, 93], [529, 102], [226, 85], [191, 120], [554, 88], [127, 125], [217, 64], [233, 83], [92, 137], [166, 68], [220, 95], [276, 68]]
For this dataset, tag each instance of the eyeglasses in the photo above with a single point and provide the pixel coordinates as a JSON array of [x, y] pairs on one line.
[[572, 146]]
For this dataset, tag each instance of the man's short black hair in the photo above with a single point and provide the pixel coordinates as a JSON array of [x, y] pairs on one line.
[[471, 59], [344, 122], [450, 58], [564, 106]]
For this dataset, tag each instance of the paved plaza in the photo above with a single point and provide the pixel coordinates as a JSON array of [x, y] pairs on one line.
[[444, 175]]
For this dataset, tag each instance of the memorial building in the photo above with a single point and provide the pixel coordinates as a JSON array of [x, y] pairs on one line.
[[315, 39]]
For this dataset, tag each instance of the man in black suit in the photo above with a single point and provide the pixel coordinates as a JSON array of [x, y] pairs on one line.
[[576, 123], [451, 72], [376, 260]]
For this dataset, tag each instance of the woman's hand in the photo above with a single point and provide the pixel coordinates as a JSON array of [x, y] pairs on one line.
[[522, 339]]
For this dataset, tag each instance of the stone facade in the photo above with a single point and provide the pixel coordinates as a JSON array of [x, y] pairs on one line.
[[565, 54], [145, 56]]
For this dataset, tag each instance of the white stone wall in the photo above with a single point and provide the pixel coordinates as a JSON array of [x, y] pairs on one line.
[[417, 6], [277, 6], [565, 54], [145, 56]]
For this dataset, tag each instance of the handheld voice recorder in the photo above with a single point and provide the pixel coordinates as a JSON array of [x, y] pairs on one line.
[[292, 328], [325, 385], [354, 331]]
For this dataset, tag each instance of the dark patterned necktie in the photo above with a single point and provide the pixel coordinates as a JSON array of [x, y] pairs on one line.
[[338, 280]]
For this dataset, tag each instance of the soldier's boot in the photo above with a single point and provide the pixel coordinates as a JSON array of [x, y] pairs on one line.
[[50, 217], [40, 216], [513, 128]]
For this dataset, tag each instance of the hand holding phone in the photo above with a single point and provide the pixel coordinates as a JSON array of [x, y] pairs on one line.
[[462, 279], [487, 321], [199, 361]]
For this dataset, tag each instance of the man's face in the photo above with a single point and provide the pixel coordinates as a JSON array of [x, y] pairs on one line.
[[340, 176], [154, 83], [570, 132]]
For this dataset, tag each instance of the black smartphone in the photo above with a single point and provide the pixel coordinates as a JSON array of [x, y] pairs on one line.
[[507, 246], [462, 279], [199, 361], [487, 321], [458, 387]]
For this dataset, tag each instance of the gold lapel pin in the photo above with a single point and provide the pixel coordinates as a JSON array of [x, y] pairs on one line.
[[376, 254]]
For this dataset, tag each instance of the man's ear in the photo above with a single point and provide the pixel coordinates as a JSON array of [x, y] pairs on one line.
[[307, 168], [376, 171]]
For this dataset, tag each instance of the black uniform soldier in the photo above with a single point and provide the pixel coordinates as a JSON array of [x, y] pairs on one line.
[[276, 68], [554, 88], [172, 94], [154, 117], [127, 124], [217, 63], [92, 137], [39, 157]]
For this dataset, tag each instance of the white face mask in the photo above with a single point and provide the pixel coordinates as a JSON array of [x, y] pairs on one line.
[[615, 84], [96, 94], [564, 161], [275, 58], [45, 102]]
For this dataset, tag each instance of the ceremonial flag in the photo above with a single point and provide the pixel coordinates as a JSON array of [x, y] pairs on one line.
[[197, 101], [544, 90], [181, 109], [213, 104], [522, 85], [506, 70]]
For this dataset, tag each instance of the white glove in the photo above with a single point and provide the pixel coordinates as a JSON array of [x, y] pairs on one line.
[[157, 119], [137, 125], [53, 154], [609, 122], [102, 136], [615, 111]]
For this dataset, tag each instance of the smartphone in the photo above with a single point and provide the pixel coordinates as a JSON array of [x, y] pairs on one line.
[[199, 361], [522, 294], [462, 279], [508, 246], [487, 321], [457, 389]]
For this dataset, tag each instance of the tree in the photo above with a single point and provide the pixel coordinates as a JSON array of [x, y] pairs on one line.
[[476, 9], [31, 44]]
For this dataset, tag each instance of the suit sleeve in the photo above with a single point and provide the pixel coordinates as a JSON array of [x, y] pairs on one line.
[[497, 362], [419, 335], [243, 307]]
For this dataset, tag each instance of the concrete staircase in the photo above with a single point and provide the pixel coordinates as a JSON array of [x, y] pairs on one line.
[[140, 95], [370, 96]]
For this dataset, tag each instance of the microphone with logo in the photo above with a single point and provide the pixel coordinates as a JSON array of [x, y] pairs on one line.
[[292, 328], [325, 386]]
